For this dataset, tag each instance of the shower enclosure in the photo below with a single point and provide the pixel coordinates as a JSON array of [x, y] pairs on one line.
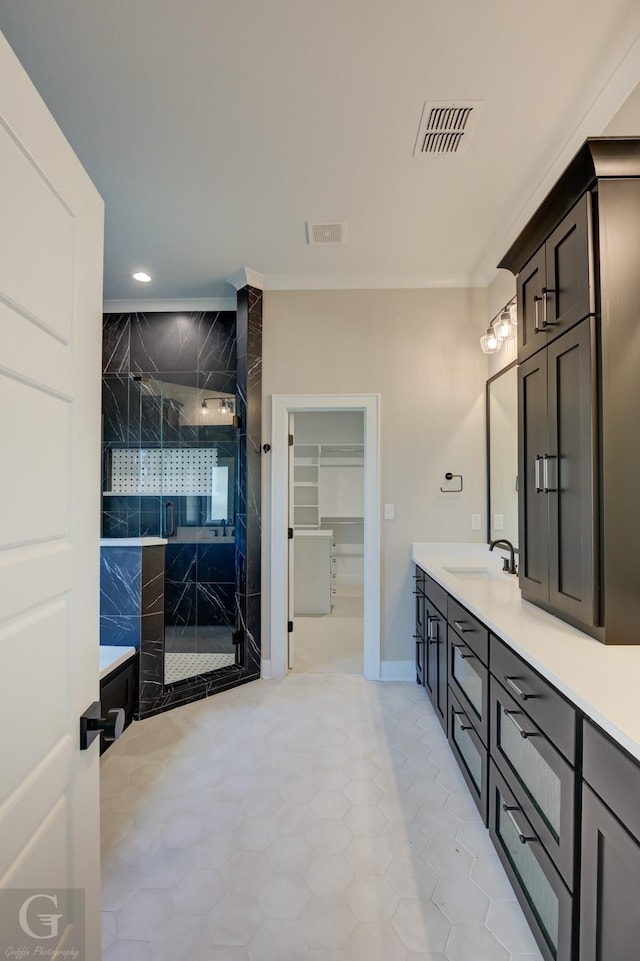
[[175, 466]]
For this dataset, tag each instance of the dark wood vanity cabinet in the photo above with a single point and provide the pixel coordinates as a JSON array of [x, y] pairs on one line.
[[555, 288], [435, 646], [557, 444], [419, 635], [610, 873], [577, 264]]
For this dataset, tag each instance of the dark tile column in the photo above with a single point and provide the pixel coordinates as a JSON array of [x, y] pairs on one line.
[[248, 529]]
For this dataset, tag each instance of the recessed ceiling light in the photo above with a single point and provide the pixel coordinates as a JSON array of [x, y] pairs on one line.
[[141, 276]]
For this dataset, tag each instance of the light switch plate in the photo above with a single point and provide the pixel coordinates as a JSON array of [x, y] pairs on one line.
[[498, 522], [389, 512], [476, 522]]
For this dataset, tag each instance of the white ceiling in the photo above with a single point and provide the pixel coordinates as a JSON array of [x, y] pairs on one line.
[[215, 128]]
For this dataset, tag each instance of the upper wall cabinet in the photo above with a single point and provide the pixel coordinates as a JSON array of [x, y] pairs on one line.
[[578, 266], [555, 288]]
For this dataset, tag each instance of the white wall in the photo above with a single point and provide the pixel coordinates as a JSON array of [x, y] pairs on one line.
[[329, 427], [419, 349]]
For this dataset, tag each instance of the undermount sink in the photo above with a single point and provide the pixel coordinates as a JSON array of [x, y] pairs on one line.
[[467, 571]]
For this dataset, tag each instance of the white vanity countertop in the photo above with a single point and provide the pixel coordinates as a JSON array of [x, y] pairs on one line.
[[132, 541], [603, 681]]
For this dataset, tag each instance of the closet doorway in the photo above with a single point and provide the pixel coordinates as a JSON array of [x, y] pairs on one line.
[[325, 487], [326, 496]]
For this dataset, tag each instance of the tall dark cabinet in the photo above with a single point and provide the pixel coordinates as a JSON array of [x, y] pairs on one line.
[[577, 264]]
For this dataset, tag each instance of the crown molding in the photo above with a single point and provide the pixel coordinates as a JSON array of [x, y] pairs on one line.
[[149, 306], [245, 277], [363, 282]]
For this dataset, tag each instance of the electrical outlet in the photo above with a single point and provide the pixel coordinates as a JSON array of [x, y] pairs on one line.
[[389, 512], [498, 522], [476, 522]]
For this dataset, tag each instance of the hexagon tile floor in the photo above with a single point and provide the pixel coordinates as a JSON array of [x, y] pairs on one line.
[[319, 818]]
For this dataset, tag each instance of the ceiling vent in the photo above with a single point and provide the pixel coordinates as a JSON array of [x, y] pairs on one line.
[[446, 125], [327, 232]]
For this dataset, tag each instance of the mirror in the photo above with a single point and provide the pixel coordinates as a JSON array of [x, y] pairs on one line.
[[502, 454]]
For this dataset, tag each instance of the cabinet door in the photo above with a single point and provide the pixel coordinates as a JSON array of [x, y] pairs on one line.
[[530, 288], [568, 475], [436, 661], [533, 503], [610, 898], [568, 295]]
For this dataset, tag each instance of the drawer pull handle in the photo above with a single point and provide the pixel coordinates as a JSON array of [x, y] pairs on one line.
[[463, 630], [511, 681], [523, 837], [458, 648], [463, 727], [521, 731]]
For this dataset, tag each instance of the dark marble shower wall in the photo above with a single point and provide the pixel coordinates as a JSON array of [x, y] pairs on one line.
[[213, 351]]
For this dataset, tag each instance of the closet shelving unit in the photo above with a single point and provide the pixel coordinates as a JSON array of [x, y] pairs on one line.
[[328, 496]]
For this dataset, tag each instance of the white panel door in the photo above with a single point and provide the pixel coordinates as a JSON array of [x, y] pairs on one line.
[[51, 230], [290, 549]]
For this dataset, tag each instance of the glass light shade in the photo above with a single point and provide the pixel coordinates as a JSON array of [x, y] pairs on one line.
[[490, 343], [503, 326]]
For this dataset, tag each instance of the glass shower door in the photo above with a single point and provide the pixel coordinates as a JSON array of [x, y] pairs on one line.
[[199, 453]]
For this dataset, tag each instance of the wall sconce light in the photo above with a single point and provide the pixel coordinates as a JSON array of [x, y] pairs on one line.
[[225, 405], [500, 329]]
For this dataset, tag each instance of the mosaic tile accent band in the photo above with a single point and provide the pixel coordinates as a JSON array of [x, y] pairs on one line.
[[164, 471]]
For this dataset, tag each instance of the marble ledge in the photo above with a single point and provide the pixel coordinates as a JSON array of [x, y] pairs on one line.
[[112, 657], [601, 680]]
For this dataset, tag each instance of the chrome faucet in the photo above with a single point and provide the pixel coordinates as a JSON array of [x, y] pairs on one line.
[[508, 565]]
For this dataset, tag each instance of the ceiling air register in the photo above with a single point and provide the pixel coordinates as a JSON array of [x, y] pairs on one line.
[[446, 126]]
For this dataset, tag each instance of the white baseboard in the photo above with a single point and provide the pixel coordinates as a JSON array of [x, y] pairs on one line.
[[398, 671], [265, 670]]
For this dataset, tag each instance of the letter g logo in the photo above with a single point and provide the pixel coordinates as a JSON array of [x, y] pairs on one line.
[[48, 921]]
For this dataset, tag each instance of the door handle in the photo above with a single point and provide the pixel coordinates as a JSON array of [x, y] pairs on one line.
[[91, 724], [549, 485], [545, 315], [536, 470], [169, 519], [536, 317]]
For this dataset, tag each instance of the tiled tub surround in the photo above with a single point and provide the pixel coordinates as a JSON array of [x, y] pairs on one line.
[[131, 591], [602, 681], [210, 591]]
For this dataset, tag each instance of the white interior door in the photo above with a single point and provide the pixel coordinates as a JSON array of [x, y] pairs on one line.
[[51, 231], [291, 550]]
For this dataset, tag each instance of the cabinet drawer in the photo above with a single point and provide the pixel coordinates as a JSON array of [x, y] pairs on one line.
[[613, 775], [470, 753], [539, 776], [469, 628], [553, 715], [469, 680], [436, 594], [545, 900]]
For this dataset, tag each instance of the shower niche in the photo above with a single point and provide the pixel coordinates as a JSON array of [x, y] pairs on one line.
[[174, 466]]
